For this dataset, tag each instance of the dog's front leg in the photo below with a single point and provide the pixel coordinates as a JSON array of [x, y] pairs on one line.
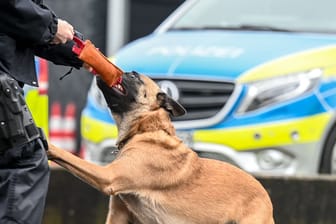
[[108, 179]]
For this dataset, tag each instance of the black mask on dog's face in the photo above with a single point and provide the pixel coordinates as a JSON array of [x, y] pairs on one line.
[[121, 97], [137, 92]]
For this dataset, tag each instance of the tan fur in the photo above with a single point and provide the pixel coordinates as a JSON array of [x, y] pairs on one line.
[[158, 179]]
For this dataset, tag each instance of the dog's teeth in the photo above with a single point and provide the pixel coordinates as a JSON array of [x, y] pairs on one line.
[[118, 86]]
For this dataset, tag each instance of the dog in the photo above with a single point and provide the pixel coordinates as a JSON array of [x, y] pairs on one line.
[[156, 178]]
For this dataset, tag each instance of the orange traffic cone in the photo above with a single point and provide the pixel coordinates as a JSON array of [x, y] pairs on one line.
[[55, 125], [43, 77], [69, 128]]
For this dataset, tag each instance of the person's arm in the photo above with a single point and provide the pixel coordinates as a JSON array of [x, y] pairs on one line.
[[60, 54], [28, 22], [38, 27]]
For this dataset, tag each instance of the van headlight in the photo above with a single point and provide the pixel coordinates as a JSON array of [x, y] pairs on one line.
[[272, 91]]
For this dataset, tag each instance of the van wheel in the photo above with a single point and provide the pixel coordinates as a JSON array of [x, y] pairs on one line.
[[328, 161]]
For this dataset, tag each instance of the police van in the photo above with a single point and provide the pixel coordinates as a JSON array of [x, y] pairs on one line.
[[37, 97], [258, 80]]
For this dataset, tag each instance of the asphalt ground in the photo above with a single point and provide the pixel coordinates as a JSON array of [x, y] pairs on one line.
[[296, 200]]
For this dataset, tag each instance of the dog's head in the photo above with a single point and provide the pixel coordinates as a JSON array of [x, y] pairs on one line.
[[135, 95]]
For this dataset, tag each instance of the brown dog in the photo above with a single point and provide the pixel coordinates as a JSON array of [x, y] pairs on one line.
[[156, 179]]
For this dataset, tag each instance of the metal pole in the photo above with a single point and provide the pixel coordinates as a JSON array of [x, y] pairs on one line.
[[117, 25]]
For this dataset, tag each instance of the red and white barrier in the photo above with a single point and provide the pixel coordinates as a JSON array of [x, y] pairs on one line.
[[69, 128], [43, 77], [62, 129], [55, 125]]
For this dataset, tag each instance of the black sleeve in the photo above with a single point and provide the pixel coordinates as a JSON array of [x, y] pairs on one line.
[[60, 54], [27, 21]]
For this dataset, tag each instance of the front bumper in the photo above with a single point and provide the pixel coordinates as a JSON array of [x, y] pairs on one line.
[[277, 148], [287, 160]]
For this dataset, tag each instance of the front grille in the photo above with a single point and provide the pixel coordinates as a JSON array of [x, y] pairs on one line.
[[201, 98]]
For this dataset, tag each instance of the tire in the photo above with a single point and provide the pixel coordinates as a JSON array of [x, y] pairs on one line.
[[328, 160]]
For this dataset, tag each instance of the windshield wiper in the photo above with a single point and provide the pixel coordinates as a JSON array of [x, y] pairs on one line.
[[186, 28], [257, 27], [239, 27]]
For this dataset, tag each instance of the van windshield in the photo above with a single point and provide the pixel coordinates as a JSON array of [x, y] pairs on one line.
[[273, 15]]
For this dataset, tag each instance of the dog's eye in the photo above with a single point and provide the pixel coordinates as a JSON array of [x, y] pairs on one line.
[[133, 76]]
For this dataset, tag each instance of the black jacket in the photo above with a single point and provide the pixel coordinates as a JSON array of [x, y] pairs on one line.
[[26, 29]]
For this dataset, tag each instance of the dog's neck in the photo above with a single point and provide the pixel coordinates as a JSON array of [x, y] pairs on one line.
[[148, 122]]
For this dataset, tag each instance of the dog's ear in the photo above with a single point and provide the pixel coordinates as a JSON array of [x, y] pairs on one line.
[[170, 105]]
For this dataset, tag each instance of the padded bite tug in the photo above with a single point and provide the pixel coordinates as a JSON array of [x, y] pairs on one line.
[[103, 67]]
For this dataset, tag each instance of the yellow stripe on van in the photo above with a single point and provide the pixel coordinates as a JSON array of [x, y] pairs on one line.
[[323, 58], [97, 131], [297, 131], [38, 105]]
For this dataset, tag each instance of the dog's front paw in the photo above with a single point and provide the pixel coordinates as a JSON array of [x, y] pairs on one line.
[[51, 152]]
